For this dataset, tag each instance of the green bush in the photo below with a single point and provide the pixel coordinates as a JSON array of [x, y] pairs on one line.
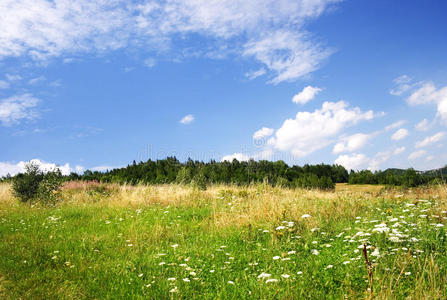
[[35, 185]]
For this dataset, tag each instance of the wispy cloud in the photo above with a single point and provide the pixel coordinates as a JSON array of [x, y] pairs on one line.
[[17, 108], [272, 32]]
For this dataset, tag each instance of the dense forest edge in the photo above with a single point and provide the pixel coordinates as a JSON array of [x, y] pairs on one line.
[[278, 173]]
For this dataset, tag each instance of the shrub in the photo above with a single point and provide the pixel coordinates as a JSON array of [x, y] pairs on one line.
[[199, 181], [35, 185]]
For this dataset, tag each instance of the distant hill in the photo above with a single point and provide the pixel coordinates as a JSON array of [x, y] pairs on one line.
[[435, 172]]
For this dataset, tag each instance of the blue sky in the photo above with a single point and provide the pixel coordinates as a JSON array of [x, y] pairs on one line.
[[97, 85]]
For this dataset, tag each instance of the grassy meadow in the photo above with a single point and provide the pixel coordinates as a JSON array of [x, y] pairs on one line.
[[258, 242]]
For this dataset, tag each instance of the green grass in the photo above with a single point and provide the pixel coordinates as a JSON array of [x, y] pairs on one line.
[[154, 251]]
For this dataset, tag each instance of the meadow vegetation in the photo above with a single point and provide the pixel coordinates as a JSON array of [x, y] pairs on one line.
[[254, 242]]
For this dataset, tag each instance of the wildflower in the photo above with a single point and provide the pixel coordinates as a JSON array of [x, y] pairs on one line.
[[186, 280], [174, 290], [140, 275], [299, 272], [129, 245], [212, 271], [315, 252], [394, 239], [264, 275], [171, 279], [276, 257], [266, 231], [290, 224], [230, 282], [376, 252], [291, 252], [162, 263], [329, 267], [280, 228], [285, 276], [315, 229], [346, 262], [305, 216], [407, 273], [192, 273], [271, 280], [174, 246]]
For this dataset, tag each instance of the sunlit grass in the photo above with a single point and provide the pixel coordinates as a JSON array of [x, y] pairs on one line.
[[226, 242]]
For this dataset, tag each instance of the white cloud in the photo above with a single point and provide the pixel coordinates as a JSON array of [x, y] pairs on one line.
[[263, 133], [290, 55], [399, 150], [188, 119], [353, 142], [353, 161], [430, 158], [254, 74], [149, 62], [422, 125], [270, 31], [41, 28], [400, 134], [37, 80], [307, 94], [402, 84], [4, 84], [15, 168], [311, 131], [378, 160], [430, 140], [416, 154], [428, 93], [395, 125], [17, 108], [239, 156], [13, 77], [104, 168]]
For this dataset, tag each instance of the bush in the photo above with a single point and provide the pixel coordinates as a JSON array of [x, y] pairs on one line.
[[199, 181], [35, 185]]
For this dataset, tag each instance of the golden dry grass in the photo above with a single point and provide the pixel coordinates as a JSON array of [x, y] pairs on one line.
[[244, 206]]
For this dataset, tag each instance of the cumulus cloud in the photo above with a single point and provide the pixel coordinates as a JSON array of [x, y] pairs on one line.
[[400, 134], [416, 154], [15, 168], [378, 160], [399, 150], [239, 156], [307, 94], [263, 133], [17, 108], [353, 142], [272, 32], [352, 161], [188, 119], [427, 94], [430, 140], [311, 131]]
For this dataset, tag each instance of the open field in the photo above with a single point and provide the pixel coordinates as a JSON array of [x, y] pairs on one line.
[[226, 242]]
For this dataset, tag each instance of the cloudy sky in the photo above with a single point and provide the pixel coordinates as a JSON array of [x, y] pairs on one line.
[[97, 84]]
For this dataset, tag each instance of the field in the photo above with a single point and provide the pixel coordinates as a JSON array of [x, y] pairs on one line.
[[227, 242]]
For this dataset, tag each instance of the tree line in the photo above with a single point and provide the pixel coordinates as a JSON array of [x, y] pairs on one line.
[[278, 173]]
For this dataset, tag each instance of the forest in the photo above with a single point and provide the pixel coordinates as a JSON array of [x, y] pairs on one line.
[[278, 173]]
